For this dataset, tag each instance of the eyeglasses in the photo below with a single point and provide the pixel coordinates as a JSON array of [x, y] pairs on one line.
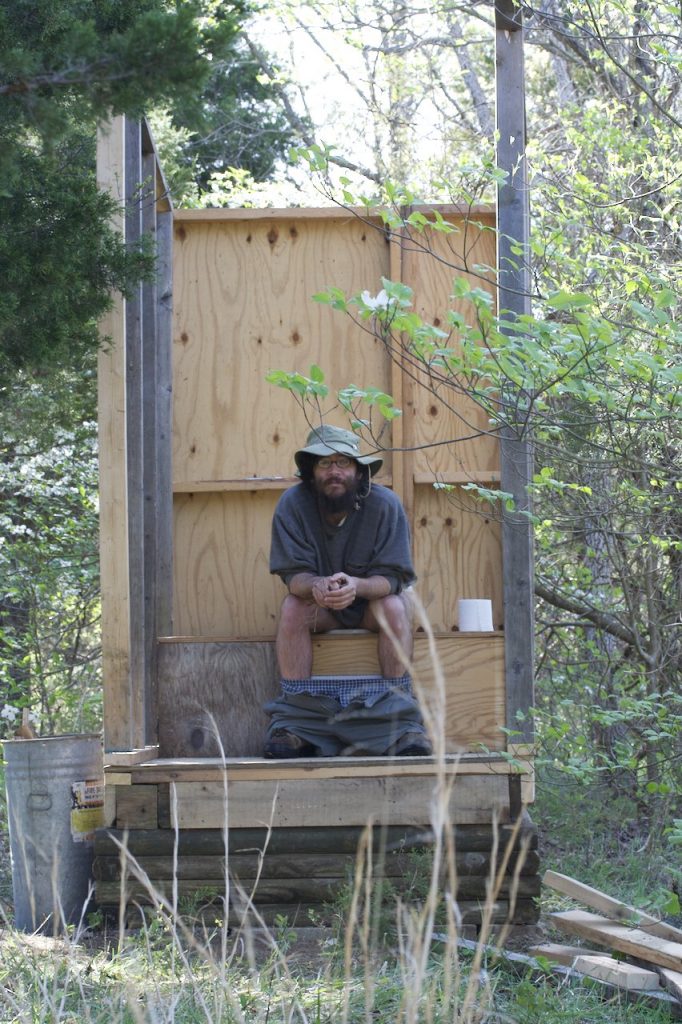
[[342, 461]]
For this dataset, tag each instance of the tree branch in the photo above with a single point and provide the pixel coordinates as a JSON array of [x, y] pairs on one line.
[[601, 619], [298, 124]]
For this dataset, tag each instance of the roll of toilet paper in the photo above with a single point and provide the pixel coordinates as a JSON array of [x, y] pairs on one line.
[[475, 616]]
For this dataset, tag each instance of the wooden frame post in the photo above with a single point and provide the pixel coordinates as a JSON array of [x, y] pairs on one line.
[[135, 447], [513, 300]]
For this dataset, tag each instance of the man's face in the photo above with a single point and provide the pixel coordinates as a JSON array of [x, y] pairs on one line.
[[336, 479]]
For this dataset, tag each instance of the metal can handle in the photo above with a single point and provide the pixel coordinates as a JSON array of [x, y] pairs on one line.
[[39, 802]]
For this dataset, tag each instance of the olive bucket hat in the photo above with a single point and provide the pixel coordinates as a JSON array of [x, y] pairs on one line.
[[328, 440]]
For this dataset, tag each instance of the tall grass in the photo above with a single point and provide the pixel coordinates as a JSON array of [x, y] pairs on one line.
[[398, 965]]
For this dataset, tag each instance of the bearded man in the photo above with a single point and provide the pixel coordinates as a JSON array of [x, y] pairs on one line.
[[341, 545]]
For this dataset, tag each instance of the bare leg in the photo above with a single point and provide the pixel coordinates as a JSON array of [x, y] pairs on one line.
[[298, 619], [396, 612]]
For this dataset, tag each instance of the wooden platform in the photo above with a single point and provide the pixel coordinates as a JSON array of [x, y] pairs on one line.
[[296, 825]]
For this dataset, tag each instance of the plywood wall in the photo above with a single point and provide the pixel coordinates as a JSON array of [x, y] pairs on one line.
[[244, 282]]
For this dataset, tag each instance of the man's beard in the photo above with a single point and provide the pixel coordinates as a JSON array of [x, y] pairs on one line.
[[331, 505]]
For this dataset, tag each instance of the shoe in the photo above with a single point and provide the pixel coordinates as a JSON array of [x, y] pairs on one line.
[[411, 744], [282, 744]]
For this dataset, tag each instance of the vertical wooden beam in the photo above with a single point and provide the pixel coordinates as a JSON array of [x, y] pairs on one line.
[[135, 446], [135, 449], [156, 219], [149, 442], [401, 462], [513, 300], [113, 477], [164, 422]]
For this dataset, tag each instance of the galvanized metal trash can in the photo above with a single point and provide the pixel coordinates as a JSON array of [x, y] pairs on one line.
[[55, 801]]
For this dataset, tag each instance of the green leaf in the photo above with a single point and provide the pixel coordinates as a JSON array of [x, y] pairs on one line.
[[569, 300]]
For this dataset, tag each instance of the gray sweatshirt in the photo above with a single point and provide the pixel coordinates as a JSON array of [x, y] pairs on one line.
[[374, 540]]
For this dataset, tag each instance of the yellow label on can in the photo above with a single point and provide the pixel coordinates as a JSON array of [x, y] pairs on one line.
[[87, 809]]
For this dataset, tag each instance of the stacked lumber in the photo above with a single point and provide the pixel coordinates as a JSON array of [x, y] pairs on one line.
[[648, 951], [294, 872]]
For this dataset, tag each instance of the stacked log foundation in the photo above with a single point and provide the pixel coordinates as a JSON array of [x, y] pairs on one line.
[[303, 874]]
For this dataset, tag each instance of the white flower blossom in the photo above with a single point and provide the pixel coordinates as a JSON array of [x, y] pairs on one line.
[[9, 713], [376, 302]]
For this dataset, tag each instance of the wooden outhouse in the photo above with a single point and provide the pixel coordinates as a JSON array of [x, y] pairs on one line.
[[196, 448]]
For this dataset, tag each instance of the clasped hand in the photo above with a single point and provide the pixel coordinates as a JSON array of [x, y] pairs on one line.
[[335, 592]]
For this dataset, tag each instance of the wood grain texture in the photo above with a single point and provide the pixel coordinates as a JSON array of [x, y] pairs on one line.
[[442, 410], [136, 807], [211, 842], [208, 686], [626, 976], [223, 539], [243, 307], [300, 865], [457, 554], [119, 729], [251, 769], [612, 908], [223, 585], [163, 411], [208, 691], [291, 890], [137, 418], [672, 982], [633, 941], [345, 802], [212, 215], [471, 668], [559, 953]]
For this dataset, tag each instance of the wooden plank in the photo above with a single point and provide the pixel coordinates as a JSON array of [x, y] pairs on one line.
[[401, 461], [221, 540], [284, 890], [307, 802], [213, 769], [513, 222], [109, 814], [162, 195], [457, 553], [163, 431], [559, 954], [610, 907], [119, 778], [138, 541], [475, 839], [211, 214], [672, 981], [113, 496], [223, 686], [616, 972], [459, 476], [134, 426], [244, 866], [442, 410], [212, 690], [472, 667], [125, 758], [136, 807], [251, 483], [395, 864], [265, 272], [632, 941], [152, 502]]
